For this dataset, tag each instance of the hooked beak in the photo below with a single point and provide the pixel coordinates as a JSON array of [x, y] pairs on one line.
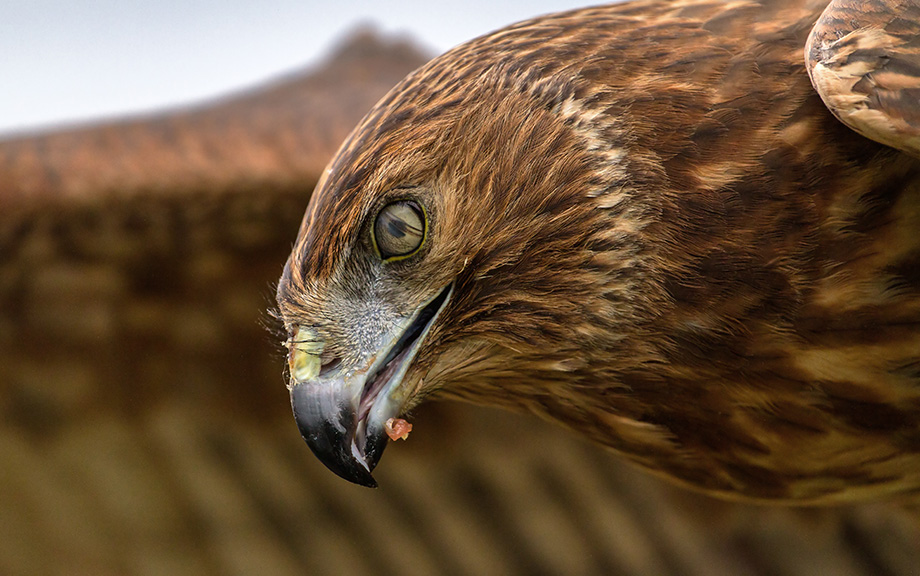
[[342, 411]]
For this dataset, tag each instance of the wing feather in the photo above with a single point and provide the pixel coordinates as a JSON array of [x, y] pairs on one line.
[[863, 57]]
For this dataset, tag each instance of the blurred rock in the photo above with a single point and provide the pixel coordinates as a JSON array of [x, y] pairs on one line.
[[146, 428]]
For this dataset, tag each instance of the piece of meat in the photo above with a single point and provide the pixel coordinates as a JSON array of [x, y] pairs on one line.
[[398, 429]]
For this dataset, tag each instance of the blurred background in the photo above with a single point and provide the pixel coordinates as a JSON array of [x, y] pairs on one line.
[[144, 423], [67, 61]]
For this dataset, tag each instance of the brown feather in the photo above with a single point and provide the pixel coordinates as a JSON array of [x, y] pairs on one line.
[[659, 237], [864, 60]]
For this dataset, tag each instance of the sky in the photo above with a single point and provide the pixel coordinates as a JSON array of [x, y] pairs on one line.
[[65, 62]]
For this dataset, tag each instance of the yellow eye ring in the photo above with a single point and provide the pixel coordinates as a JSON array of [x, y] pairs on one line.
[[400, 230]]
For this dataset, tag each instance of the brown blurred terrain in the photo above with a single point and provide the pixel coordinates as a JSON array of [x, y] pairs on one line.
[[146, 428]]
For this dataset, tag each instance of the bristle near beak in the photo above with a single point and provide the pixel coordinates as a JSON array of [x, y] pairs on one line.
[[342, 410]]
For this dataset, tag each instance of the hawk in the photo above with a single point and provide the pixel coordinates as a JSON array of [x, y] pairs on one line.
[[688, 231]]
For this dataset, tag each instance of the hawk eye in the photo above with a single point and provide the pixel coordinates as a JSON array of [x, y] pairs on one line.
[[399, 230]]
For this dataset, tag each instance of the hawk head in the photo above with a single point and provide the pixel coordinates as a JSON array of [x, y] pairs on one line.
[[450, 248]]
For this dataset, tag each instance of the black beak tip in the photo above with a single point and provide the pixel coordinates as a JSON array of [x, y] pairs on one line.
[[331, 439], [333, 448]]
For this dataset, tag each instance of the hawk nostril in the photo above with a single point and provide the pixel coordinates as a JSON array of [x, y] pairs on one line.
[[329, 365]]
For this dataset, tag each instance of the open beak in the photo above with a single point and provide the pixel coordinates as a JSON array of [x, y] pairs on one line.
[[342, 410]]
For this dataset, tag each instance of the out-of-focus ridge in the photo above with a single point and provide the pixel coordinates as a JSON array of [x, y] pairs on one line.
[[145, 425]]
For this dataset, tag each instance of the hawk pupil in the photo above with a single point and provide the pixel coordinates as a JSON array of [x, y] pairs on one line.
[[399, 229]]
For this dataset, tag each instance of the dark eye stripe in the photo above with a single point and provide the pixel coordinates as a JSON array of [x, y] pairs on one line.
[[399, 229]]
